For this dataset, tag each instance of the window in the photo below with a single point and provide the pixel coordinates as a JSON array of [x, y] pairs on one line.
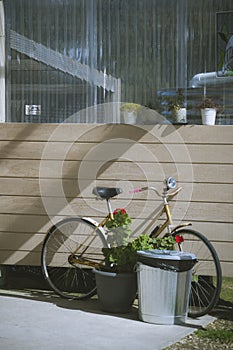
[[65, 56]]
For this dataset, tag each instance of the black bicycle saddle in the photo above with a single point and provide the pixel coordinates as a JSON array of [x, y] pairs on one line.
[[106, 192]]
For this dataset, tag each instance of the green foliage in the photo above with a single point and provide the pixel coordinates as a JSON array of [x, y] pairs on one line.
[[225, 35], [120, 218], [120, 259], [218, 334], [119, 236], [164, 243], [143, 242], [227, 289], [176, 102], [123, 258], [209, 103], [119, 228], [223, 335], [130, 107]]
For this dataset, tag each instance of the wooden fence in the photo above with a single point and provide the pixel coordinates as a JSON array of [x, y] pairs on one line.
[[48, 171]]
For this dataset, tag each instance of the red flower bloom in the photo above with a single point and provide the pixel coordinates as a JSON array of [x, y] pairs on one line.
[[122, 210], [179, 239]]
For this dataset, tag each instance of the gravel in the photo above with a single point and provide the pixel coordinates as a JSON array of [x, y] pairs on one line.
[[224, 314]]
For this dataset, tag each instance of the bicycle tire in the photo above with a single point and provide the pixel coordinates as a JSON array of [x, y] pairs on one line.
[[68, 279], [206, 274]]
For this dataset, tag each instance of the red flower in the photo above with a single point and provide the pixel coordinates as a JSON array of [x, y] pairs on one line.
[[179, 239], [122, 210]]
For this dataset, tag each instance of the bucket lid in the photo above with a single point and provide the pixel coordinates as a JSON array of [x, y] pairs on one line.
[[166, 254]]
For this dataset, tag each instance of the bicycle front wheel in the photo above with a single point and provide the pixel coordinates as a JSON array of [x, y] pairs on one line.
[[71, 249], [206, 274]]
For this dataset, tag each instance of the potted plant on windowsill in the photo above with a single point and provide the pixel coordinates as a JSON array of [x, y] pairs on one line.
[[116, 279], [176, 104], [209, 110], [130, 112]]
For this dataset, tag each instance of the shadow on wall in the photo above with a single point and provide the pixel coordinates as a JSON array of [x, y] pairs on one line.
[[24, 245]]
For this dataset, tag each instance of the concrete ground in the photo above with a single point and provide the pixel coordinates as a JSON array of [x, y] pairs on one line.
[[39, 320]]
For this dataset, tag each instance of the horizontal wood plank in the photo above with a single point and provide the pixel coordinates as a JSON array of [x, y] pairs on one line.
[[197, 134], [25, 257], [205, 173], [197, 192], [32, 224], [120, 149], [22, 241], [224, 250], [227, 269], [48, 171], [201, 211]]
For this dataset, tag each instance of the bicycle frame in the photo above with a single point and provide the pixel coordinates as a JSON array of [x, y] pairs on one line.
[[168, 223], [75, 245], [98, 226]]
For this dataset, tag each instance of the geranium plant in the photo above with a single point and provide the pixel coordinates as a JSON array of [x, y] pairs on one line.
[[119, 228], [209, 103], [121, 256], [124, 258], [179, 239]]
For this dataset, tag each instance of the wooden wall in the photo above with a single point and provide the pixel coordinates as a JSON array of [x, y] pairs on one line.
[[48, 171]]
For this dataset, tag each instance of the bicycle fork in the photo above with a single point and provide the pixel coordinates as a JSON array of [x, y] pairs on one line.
[[169, 221], [167, 224]]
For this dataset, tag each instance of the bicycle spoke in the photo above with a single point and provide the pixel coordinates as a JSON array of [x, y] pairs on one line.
[[65, 243], [207, 277]]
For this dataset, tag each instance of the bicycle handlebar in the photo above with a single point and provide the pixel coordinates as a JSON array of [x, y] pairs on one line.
[[171, 194], [142, 189], [174, 193]]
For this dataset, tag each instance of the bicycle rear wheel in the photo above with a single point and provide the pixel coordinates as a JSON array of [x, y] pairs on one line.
[[66, 242], [206, 274]]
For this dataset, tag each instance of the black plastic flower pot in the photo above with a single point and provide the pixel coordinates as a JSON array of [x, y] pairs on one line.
[[116, 291]]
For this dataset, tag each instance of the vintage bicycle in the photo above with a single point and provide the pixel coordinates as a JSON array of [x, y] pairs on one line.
[[73, 247]]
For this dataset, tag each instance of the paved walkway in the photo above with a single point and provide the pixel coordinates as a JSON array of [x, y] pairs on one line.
[[34, 320]]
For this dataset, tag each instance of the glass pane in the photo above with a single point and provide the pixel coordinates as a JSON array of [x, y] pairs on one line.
[[65, 56]]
